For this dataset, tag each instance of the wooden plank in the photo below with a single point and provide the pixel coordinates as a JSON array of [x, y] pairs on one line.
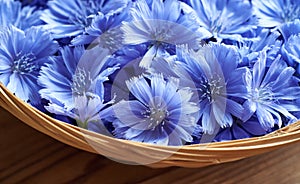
[[280, 166], [33, 161], [28, 156]]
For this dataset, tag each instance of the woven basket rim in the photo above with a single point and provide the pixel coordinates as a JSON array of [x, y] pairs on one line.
[[185, 156], [278, 133]]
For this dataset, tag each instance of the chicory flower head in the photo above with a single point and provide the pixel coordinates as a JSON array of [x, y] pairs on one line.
[[273, 93], [224, 19], [160, 23], [22, 55], [90, 112], [160, 112], [272, 13], [12, 13], [291, 49], [70, 18], [77, 72], [212, 72], [104, 31]]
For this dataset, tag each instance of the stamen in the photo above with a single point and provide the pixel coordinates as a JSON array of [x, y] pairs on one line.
[[212, 88], [112, 39], [162, 34], [24, 63], [263, 95], [81, 82], [156, 116], [290, 12]]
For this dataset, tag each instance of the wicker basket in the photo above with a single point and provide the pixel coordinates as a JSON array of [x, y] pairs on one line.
[[129, 151]]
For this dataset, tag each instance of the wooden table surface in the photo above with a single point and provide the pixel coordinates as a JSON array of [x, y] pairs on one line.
[[27, 156]]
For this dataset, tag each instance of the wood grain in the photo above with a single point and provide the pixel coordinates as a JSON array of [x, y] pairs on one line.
[[28, 156]]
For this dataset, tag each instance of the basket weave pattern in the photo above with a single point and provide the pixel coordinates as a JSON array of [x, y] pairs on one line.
[[186, 156]]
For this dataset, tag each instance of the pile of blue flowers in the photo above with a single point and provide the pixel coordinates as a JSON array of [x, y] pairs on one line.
[[165, 72]]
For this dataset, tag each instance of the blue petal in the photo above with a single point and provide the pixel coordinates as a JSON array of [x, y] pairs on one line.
[[239, 133], [265, 118], [224, 135], [274, 71], [140, 89], [250, 108], [259, 70], [254, 128], [129, 113]]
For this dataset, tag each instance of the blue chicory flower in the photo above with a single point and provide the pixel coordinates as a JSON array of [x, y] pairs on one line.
[[290, 49], [90, 112], [214, 71], [273, 93], [224, 19], [77, 72], [272, 13], [160, 23], [104, 30], [22, 55], [12, 13], [71, 18], [211, 72], [160, 112]]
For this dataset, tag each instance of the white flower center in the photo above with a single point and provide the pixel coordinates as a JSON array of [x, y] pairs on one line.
[[212, 88], [290, 12], [263, 95], [24, 64], [156, 116], [162, 35], [112, 39], [81, 82]]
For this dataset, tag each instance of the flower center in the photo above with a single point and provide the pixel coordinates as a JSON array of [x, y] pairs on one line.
[[79, 20], [162, 31], [24, 64], [81, 82], [156, 117], [212, 88], [111, 39], [290, 12], [263, 95], [161, 35], [85, 17]]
